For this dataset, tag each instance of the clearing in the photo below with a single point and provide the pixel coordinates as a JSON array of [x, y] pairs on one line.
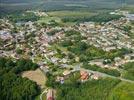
[[38, 76]]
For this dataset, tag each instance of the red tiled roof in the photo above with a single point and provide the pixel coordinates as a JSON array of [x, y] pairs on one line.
[[84, 75], [50, 98]]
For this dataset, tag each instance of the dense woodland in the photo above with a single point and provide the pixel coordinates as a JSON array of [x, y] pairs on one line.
[[104, 17], [129, 70], [13, 86], [23, 17]]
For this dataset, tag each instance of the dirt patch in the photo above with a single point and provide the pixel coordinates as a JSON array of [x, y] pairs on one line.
[[36, 76]]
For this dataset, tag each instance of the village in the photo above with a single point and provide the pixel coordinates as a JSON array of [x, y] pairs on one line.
[[31, 40]]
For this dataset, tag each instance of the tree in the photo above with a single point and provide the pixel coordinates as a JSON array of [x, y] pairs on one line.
[[13, 86]]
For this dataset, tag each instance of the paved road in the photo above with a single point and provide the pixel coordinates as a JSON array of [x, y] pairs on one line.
[[106, 75]]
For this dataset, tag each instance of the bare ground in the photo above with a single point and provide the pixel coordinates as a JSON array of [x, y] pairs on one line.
[[36, 76]]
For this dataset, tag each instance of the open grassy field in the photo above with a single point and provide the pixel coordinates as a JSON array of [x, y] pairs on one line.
[[36, 76], [70, 13], [48, 19], [58, 15], [75, 5]]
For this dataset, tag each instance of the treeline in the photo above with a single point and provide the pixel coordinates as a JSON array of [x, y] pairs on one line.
[[112, 72], [24, 17], [17, 66], [96, 18], [13, 86]]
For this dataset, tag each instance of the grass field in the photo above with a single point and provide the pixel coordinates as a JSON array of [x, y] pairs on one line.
[[58, 15], [48, 19], [70, 13], [75, 5]]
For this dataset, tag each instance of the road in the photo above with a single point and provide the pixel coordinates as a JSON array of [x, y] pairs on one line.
[[106, 75]]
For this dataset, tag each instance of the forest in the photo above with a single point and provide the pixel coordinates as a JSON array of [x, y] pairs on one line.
[[129, 70], [13, 86], [102, 17]]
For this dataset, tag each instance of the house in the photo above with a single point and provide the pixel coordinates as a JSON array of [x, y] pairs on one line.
[[60, 79], [66, 72], [5, 35], [77, 59], [64, 65], [50, 94], [84, 75], [54, 59], [98, 62], [109, 48], [127, 57], [117, 59], [95, 76], [44, 68], [130, 16]]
